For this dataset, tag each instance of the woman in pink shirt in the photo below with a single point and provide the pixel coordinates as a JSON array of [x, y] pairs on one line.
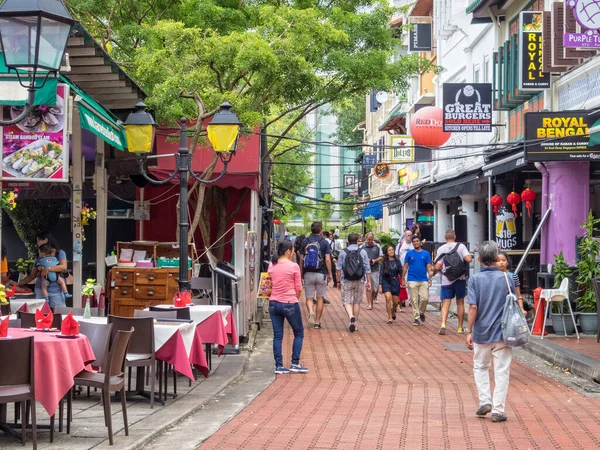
[[283, 304]]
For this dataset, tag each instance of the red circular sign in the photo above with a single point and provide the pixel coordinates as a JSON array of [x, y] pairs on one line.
[[427, 128], [381, 170]]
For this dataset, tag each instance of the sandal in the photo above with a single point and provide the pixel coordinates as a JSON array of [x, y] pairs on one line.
[[369, 308], [390, 322]]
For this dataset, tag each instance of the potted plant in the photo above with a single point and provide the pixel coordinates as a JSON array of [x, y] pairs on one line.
[[588, 269], [561, 271], [24, 267]]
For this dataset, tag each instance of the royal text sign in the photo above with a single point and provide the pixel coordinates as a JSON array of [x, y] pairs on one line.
[[530, 52]]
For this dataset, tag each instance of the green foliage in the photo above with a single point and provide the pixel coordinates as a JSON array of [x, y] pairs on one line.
[[588, 268], [346, 210], [325, 211], [386, 239], [561, 270], [350, 112], [370, 225], [32, 217]]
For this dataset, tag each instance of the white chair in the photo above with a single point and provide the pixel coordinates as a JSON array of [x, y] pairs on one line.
[[556, 295]]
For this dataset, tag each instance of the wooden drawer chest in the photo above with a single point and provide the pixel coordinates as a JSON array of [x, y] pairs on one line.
[[139, 288]]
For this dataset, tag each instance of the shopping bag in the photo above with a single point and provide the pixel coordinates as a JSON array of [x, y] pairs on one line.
[[515, 331]]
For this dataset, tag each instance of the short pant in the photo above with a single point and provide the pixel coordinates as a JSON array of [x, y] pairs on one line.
[[315, 283], [458, 289], [374, 276], [352, 292]]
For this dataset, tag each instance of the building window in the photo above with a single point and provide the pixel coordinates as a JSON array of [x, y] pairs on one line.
[[476, 71], [486, 69]]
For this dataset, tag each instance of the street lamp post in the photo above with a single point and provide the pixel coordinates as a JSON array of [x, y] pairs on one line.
[[223, 134], [34, 35]]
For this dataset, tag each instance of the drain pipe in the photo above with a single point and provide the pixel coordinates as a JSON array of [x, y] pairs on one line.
[[545, 202]]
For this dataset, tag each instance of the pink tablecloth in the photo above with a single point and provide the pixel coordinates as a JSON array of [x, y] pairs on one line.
[[212, 331], [231, 329], [175, 353], [56, 361]]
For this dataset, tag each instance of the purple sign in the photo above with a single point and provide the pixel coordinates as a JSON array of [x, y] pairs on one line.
[[589, 39], [587, 13]]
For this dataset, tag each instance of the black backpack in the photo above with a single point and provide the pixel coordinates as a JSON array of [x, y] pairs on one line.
[[454, 265], [353, 265]]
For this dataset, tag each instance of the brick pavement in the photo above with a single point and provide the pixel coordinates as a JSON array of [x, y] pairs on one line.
[[396, 386], [585, 344]]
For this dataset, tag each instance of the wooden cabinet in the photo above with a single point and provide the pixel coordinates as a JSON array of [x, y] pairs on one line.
[[139, 288]]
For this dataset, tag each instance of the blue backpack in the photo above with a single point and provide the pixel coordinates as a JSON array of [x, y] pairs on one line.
[[313, 259]]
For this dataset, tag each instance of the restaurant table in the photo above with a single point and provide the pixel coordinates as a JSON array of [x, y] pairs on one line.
[[32, 304], [176, 343], [56, 361]]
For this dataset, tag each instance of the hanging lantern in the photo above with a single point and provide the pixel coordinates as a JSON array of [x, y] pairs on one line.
[[514, 199], [496, 201], [528, 196], [426, 127]]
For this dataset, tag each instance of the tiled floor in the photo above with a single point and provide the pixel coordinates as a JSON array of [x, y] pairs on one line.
[[397, 386], [586, 344]]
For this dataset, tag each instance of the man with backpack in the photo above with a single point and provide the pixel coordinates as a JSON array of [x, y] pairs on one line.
[[315, 260], [353, 268], [453, 261], [375, 254]]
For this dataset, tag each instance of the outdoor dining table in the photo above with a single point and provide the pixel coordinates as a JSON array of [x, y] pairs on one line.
[[32, 304], [56, 362], [175, 343]]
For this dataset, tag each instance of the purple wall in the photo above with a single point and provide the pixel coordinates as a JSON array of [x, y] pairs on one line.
[[569, 196]]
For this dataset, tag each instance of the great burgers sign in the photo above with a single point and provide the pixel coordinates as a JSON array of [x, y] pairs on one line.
[[468, 107], [559, 136]]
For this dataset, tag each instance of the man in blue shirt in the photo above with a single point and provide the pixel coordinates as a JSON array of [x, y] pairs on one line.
[[418, 273], [316, 270], [486, 296]]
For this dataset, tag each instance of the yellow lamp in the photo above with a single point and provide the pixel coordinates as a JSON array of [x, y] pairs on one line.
[[139, 130], [224, 130]]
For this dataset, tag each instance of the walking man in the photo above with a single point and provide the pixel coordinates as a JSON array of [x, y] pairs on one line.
[[353, 270], [487, 293], [316, 262], [418, 273], [453, 261], [375, 255], [404, 246]]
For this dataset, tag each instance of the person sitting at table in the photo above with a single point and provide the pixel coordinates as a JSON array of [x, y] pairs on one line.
[[48, 259], [55, 296], [6, 281]]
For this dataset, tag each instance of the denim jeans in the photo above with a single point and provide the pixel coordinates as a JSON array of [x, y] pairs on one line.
[[279, 312], [54, 298]]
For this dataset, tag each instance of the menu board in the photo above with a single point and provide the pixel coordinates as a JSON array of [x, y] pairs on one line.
[[265, 286], [37, 148]]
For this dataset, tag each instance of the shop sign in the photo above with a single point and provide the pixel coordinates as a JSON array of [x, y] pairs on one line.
[[141, 210], [417, 173], [90, 121], [420, 35], [369, 161], [37, 148], [468, 107], [506, 229], [382, 170], [402, 149], [558, 136], [349, 181], [531, 54], [394, 210], [587, 15]]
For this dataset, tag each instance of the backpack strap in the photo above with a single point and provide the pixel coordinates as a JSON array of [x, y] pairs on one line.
[[449, 253]]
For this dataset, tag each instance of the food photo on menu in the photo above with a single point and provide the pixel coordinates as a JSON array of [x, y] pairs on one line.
[[35, 147]]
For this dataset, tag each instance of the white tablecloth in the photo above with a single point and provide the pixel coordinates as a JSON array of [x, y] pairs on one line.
[[32, 304], [199, 313], [162, 331]]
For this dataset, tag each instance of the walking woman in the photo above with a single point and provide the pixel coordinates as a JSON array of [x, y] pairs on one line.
[[283, 304], [391, 273]]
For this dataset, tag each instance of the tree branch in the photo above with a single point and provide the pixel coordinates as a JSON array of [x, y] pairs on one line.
[[233, 213], [214, 69]]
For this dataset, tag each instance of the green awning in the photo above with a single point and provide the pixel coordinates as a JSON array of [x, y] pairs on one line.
[[594, 134], [397, 111], [474, 5], [13, 94], [97, 119]]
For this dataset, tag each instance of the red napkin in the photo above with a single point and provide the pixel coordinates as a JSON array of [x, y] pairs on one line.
[[182, 299], [11, 293], [4, 327], [46, 308], [24, 308], [42, 321], [69, 327]]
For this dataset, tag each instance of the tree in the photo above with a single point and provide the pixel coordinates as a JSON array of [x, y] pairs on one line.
[[347, 210], [350, 112], [324, 211], [32, 217], [269, 59]]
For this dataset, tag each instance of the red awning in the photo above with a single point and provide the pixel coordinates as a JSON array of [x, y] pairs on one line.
[[242, 171]]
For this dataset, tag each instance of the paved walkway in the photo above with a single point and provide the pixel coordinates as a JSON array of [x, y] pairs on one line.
[[399, 386]]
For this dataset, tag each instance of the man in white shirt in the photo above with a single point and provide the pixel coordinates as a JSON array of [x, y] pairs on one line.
[[453, 287], [404, 247]]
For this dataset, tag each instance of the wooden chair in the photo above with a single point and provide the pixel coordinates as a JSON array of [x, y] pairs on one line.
[[112, 378], [28, 320], [16, 380], [141, 349]]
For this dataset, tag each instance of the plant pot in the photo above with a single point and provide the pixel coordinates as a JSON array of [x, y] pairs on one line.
[[557, 324], [588, 322]]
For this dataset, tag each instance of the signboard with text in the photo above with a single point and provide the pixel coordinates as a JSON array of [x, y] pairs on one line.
[[402, 149], [419, 39], [37, 148], [467, 107], [587, 15], [530, 52], [559, 136]]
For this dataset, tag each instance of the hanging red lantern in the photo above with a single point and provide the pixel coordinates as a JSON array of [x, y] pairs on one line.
[[528, 196], [277, 222], [514, 199], [496, 201]]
